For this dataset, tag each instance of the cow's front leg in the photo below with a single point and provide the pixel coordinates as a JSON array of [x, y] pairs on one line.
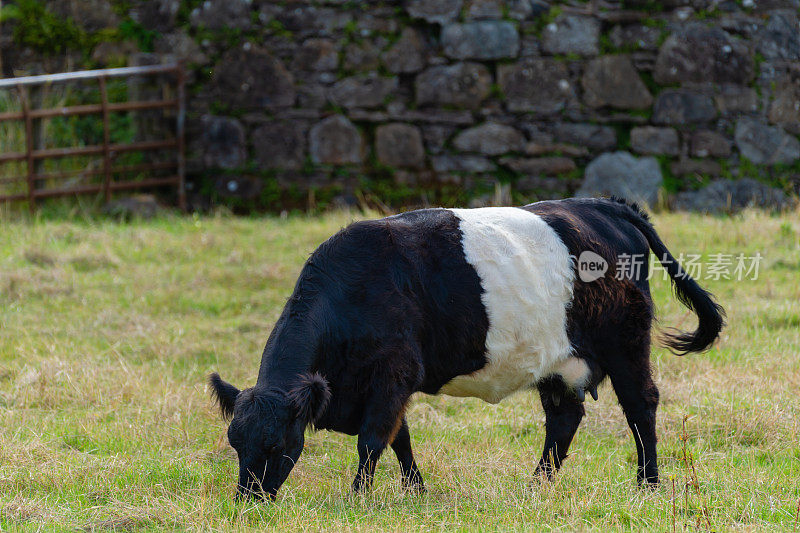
[[379, 428], [412, 479], [370, 448], [563, 413], [383, 418]]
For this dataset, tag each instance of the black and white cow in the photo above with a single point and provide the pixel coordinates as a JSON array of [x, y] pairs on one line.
[[466, 302]]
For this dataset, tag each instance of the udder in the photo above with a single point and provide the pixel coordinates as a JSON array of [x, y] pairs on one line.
[[575, 372]]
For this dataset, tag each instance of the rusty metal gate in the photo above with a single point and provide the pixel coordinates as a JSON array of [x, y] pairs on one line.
[[33, 156]]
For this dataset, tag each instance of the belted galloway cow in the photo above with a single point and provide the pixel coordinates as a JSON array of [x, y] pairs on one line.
[[466, 302]]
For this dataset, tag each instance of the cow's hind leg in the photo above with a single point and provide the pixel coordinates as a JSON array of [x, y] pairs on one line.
[[563, 413], [638, 397], [412, 479]]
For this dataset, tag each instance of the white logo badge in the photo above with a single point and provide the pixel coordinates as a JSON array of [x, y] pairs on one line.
[[591, 267]]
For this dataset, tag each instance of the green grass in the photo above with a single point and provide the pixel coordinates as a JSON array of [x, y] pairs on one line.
[[108, 330]]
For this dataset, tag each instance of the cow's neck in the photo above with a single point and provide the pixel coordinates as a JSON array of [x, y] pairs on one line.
[[290, 351]]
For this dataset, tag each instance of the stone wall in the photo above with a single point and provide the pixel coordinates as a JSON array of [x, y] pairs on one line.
[[298, 103]]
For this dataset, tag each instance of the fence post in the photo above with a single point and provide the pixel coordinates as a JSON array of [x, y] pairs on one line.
[[106, 139], [31, 174], [181, 132], [1, 36]]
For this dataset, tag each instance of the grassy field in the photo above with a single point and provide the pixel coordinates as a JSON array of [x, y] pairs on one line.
[[108, 330]]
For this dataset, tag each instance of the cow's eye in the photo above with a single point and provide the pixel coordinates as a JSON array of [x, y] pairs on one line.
[[272, 449]]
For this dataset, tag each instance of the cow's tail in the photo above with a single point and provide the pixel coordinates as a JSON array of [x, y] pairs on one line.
[[710, 315]]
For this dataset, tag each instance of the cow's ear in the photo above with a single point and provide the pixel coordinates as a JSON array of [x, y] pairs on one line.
[[310, 396], [224, 393]]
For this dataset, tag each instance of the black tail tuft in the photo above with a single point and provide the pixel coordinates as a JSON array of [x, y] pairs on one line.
[[711, 318], [710, 315]]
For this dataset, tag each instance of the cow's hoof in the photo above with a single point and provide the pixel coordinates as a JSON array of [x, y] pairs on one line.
[[360, 487], [414, 488], [542, 476], [650, 483]]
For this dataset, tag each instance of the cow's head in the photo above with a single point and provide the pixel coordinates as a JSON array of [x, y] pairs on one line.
[[267, 429]]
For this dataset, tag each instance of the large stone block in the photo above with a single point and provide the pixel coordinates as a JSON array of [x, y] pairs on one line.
[[698, 53], [407, 55], [485, 9], [612, 81], [308, 21], [251, 77], [399, 145], [706, 143], [765, 145], [489, 39], [368, 91], [539, 166], [526, 9], [219, 14], [722, 196], [635, 36], [766, 6], [381, 20], [572, 34], [223, 142], [336, 141], [681, 107], [436, 137], [364, 55], [460, 85], [435, 11], [539, 148], [621, 174], [735, 99], [311, 96], [316, 54], [539, 85], [692, 167], [544, 187], [462, 163], [280, 144], [780, 38], [784, 109], [592, 136], [655, 141], [490, 138]]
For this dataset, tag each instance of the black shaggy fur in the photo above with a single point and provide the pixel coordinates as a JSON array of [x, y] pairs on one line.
[[390, 307], [224, 393], [310, 396]]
